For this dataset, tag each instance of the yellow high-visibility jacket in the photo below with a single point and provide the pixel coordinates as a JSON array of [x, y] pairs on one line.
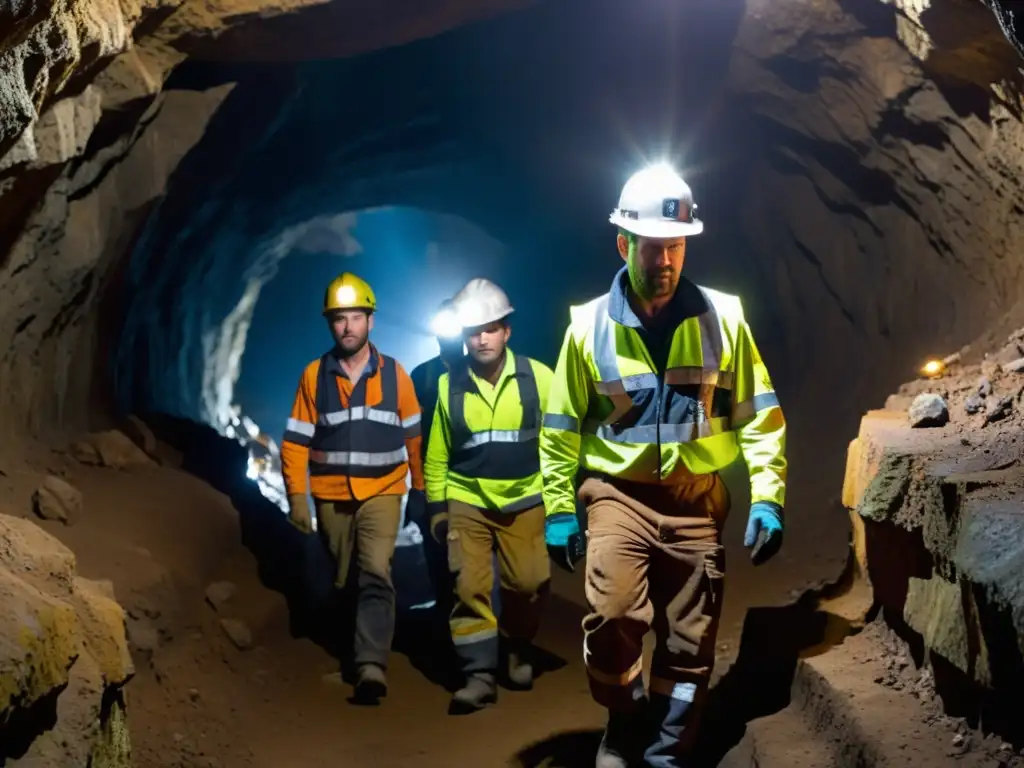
[[486, 452], [611, 411]]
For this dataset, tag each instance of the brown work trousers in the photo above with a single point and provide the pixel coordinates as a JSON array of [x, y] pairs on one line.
[[368, 529], [473, 536], [654, 561]]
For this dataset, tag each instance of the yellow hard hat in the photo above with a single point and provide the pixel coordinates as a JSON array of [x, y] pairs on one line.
[[347, 291]]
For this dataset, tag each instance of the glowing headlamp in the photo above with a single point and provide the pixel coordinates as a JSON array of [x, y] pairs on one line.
[[446, 325]]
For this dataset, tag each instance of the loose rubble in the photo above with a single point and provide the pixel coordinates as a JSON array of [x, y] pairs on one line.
[[56, 499], [928, 410]]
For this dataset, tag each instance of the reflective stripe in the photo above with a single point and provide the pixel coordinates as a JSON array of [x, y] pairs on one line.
[[359, 413], [301, 427], [622, 679], [746, 410], [651, 434], [561, 421], [678, 691], [691, 374], [412, 420], [500, 436], [527, 502], [475, 637], [358, 458]]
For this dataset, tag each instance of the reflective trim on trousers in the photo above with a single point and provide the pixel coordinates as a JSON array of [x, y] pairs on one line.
[[746, 410], [651, 434], [359, 458], [360, 412], [500, 436], [673, 690], [621, 680], [562, 422]]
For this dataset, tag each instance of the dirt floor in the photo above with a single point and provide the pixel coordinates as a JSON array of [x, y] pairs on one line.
[[201, 698]]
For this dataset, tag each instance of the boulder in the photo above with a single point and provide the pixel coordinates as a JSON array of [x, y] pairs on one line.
[[928, 410], [63, 658], [56, 499], [110, 449]]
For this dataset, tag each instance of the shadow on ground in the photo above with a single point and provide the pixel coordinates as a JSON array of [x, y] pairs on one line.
[[298, 567], [758, 684]]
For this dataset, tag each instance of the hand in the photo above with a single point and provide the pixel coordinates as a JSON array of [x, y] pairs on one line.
[[564, 540], [416, 507], [764, 531], [299, 514], [438, 511]]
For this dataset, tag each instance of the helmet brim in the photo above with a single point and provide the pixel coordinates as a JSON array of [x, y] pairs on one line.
[[659, 230]]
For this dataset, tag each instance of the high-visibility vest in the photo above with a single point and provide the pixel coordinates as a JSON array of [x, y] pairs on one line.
[[357, 441], [495, 454], [713, 400]]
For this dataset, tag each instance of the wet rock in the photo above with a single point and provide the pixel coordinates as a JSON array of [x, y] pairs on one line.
[[218, 593], [56, 499], [238, 633], [1000, 410], [984, 387], [974, 404], [928, 410], [110, 449]]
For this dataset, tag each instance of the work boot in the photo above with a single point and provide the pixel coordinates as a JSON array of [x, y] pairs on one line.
[[519, 670], [479, 691], [371, 684], [623, 742]]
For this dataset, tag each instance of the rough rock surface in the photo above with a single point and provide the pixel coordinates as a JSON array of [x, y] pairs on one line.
[[63, 658], [111, 449], [57, 499], [944, 532], [928, 410]]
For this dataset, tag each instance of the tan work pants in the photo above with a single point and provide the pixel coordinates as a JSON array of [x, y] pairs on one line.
[[654, 560], [473, 536], [368, 529]]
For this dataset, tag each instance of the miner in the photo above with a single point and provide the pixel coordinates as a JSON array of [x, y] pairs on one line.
[[658, 386]]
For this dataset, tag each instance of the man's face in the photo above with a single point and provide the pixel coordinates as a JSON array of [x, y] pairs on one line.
[[486, 343], [350, 329], [654, 265]]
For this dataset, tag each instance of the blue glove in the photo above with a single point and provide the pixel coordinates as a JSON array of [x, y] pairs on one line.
[[764, 531], [564, 540]]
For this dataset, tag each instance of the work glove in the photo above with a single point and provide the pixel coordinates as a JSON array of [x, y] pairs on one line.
[[438, 511], [416, 507], [299, 514], [764, 531], [564, 539]]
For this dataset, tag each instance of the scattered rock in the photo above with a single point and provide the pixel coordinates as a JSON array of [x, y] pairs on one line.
[[984, 387], [56, 499], [218, 593], [141, 607], [1014, 366], [952, 359], [110, 449], [928, 410], [973, 404], [193, 694], [143, 636], [238, 633], [1000, 410], [136, 430]]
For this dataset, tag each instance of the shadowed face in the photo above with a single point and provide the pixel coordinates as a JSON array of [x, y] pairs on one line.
[[350, 329], [654, 264], [486, 343]]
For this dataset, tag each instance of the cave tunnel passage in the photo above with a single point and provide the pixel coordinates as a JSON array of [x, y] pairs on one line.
[[524, 129], [412, 258]]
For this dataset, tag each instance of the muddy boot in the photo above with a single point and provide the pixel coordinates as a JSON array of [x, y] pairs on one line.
[[518, 669], [479, 691], [624, 739], [371, 684]]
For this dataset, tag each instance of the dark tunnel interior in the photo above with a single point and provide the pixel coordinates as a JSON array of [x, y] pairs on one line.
[[858, 165]]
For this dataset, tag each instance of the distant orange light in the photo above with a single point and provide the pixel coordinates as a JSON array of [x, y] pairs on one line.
[[933, 369]]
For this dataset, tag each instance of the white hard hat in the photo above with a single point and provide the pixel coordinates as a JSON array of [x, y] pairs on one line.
[[656, 202], [481, 302]]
